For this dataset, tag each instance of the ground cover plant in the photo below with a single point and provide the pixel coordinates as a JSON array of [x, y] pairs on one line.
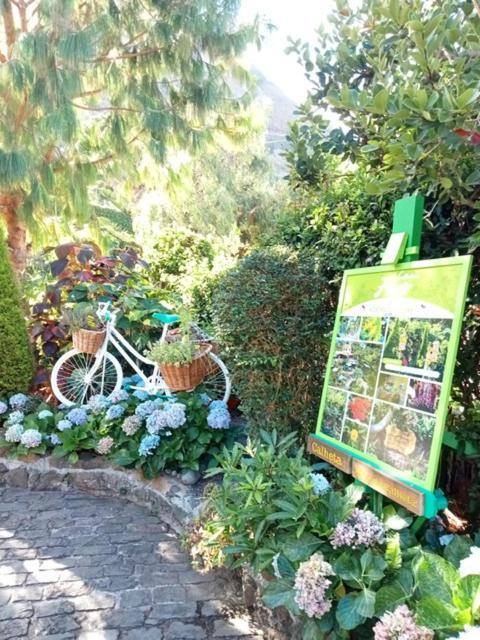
[[343, 570], [131, 428]]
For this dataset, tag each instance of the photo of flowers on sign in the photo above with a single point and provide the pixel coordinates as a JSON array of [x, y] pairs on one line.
[[391, 364]]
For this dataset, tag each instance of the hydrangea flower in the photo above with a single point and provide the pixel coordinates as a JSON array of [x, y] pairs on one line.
[[205, 399], [470, 566], [104, 445], [218, 405], [44, 414], [131, 425], [31, 438], [140, 394], [14, 432], [218, 419], [64, 424], [98, 403], [3, 407], [145, 409], [400, 625], [18, 401], [469, 633], [15, 417], [54, 439], [176, 414], [311, 585], [114, 412], [148, 444], [157, 420], [118, 396], [360, 528], [77, 416], [320, 484]]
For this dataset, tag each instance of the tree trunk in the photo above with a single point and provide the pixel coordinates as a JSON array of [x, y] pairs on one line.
[[16, 232]]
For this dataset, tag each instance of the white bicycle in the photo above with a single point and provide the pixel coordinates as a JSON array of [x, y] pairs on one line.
[[77, 376]]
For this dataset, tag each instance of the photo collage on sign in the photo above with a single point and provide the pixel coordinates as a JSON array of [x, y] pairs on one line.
[[384, 388]]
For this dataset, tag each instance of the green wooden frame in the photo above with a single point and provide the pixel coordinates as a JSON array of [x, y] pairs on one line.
[[427, 487]]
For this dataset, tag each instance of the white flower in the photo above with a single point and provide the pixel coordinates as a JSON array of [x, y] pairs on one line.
[[14, 432], [31, 438], [469, 633], [470, 566]]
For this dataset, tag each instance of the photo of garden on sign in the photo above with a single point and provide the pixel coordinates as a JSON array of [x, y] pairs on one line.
[[391, 364]]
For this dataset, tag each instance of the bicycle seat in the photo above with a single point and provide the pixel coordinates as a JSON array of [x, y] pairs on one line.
[[166, 318]]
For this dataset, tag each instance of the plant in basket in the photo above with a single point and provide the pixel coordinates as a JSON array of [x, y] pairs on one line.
[[88, 332], [181, 361]]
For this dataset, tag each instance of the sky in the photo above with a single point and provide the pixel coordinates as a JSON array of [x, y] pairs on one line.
[[298, 19]]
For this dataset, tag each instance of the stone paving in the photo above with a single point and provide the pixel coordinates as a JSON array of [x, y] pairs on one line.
[[74, 566]]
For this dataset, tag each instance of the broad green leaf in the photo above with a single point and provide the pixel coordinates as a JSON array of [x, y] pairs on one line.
[[396, 519], [457, 549], [280, 593], [435, 614], [380, 101], [389, 597], [435, 577], [373, 566], [365, 603], [467, 594], [301, 549], [446, 183], [468, 97], [347, 615], [347, 567], [393, 552]]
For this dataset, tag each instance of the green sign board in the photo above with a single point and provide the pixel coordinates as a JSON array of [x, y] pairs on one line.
[[390, 369]]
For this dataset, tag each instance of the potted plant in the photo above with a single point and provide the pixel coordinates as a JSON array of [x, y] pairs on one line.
[[88, 332], [181, 362]]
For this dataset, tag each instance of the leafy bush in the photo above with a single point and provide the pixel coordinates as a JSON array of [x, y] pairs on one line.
[[130, 428], [175, 251], [335, 565], [16, 362], [271, 315]]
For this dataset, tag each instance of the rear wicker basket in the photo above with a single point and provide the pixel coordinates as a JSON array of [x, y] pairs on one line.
[[88, 341], [185, 377]]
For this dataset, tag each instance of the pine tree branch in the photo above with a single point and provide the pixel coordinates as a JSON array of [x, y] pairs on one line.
[[8, 25], [111, 156], [125, 56], [86, 108]]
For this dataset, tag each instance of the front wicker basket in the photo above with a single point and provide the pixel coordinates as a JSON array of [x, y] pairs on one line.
[[88, 341], [185, 377]]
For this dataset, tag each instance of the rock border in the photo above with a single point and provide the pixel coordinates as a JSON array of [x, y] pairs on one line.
[[166, 497]]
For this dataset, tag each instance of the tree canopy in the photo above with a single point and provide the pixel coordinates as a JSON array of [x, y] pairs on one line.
[[96, 88]]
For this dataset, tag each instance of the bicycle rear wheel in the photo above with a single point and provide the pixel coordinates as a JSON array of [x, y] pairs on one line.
[[74, 383]]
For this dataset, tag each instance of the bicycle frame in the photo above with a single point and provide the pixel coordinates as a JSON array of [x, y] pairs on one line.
[[153, 383]]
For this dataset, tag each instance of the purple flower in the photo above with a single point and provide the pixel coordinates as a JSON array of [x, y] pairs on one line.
[[3, 407], [31, 438], [360, 528], [131, 425], [118, 396], [104, 445], [98, 403], [311, 585], [145, 409], [18, 401], [400, 625]]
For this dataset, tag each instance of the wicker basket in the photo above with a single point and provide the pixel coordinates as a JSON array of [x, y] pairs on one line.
[[185, 377], [88, 341], [211, 367]]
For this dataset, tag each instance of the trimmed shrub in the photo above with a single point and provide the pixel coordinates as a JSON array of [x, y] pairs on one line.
[[271, 316], [16, 361]]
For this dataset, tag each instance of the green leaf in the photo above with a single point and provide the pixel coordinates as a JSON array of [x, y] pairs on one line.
[[301, 549], [124, 458], [365, 603], [280, 593], [393, 552], [469, 96], [457, 549], [380, 101], [435, 577], [73, 457], [396, 519], [285, 568], [467, 595], [389, 597], [60, 451], [347, 567], [435, 614], [446, 183], [347, 614], [373, 566]]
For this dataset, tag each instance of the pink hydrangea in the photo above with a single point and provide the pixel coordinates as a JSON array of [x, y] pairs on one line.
[[400, 625], [104, 445], [360, 528], [311, 585]]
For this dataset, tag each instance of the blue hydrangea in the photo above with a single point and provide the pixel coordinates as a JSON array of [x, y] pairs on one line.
[[64, 424], [31, 438], [218, 405], [148, 444], [137, 379], [54, 439], [176, 415], [157, 421], [3, 407], [77, 416], [44, 414], [145, 409], [18, 401], [98, 403], [205, 399], [114, 412], [14, 432], [320, 484], [140, 394], [118, 396], [15, 417], [218, 419]]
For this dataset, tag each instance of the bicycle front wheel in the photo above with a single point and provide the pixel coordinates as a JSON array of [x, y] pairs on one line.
[[75, 379], [216, 383]]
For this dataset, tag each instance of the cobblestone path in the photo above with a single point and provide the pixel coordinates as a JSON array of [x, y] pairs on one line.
[[74, 566]]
